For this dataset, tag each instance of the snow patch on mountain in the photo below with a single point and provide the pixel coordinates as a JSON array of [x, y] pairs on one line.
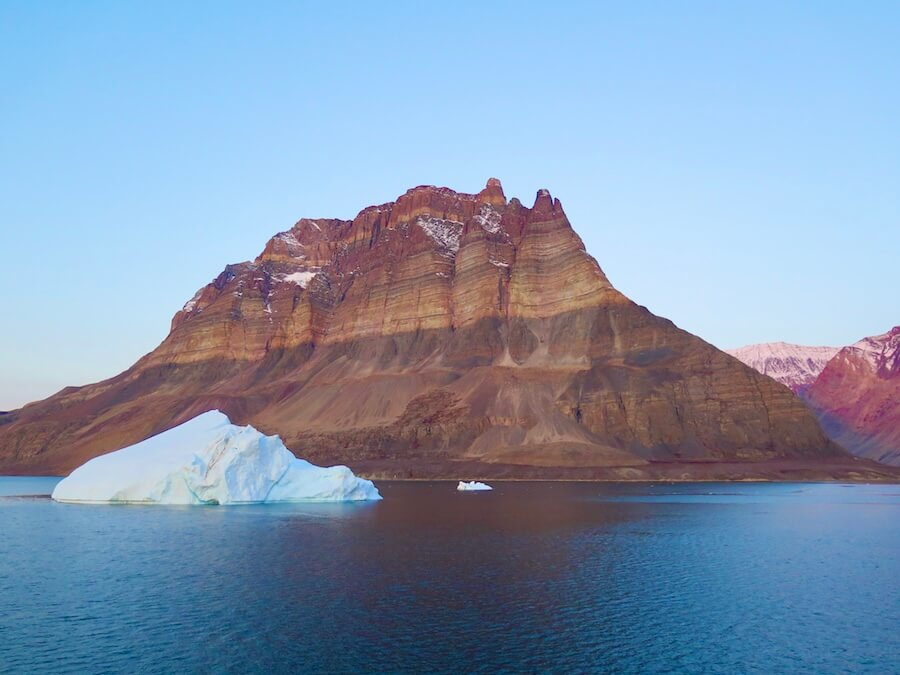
[[291, 245], [302, 279], [445, 233], [881, 353], [192, 303], [796, 366], [288, 238], [488, 218]]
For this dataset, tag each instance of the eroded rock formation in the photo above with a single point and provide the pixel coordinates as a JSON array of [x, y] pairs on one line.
[[438, 331]]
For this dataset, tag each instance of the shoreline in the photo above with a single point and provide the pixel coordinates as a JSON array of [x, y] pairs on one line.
[[849, 470]]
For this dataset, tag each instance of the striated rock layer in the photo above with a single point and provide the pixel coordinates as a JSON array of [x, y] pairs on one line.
[[857, 397], [443, 334]]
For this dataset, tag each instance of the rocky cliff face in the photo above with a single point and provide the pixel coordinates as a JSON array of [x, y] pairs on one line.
[[438, 335], [857, 397], [795, 366]]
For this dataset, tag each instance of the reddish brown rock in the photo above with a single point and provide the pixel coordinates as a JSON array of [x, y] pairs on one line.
[[441, 334], [857, 397]]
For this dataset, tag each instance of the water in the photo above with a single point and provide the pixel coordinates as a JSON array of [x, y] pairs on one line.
[[563, 577]]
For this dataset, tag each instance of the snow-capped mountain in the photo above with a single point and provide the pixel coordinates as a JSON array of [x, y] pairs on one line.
[[854, 391], [796, 366], [880, 353]]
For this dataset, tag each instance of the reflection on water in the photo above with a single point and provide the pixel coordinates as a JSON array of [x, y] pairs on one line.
[[533, 576]]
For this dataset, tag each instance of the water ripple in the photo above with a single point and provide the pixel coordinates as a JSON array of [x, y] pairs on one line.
[[539, 578]]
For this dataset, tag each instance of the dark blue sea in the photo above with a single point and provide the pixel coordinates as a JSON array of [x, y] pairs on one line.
[[537, 577]]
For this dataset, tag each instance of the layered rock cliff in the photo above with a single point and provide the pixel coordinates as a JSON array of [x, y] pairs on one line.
[[438, 335], [857, 397]]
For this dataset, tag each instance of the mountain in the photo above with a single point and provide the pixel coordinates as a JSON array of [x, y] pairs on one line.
[[857, 397], [442, 335], [795, 366]]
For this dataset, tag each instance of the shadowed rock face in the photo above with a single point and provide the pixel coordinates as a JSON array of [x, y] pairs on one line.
[[857, 397], [440, 331]]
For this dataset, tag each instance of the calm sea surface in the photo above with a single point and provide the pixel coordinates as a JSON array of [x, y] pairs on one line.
[[562, 577]]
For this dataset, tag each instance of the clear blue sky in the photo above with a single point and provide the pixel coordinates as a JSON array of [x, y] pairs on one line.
[[733, 166]]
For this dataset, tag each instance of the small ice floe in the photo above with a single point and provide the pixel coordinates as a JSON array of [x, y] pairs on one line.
[[209, 460], [472, 485]]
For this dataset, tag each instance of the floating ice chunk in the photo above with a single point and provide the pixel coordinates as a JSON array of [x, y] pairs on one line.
[[472, 485], [209, 460]]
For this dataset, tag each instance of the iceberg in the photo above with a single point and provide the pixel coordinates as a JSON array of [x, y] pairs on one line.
[[209, 460], [472, 485]]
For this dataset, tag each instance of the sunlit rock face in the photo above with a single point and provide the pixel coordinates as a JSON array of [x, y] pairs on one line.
[[857, 397], [208, 460], [438, 329]]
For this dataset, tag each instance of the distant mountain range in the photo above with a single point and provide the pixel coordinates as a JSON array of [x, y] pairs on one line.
[[854, 391], [796, 366]]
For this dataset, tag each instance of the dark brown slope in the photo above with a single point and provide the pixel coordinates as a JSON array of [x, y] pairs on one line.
[[439, 335]]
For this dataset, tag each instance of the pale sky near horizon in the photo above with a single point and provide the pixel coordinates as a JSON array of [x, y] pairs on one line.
[[734, 167]]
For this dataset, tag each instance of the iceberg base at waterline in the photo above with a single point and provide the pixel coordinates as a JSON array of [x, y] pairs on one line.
[[472, 486], [209, 460]]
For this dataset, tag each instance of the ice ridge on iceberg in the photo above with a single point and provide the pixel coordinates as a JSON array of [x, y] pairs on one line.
[[209, 460], [472, 486]]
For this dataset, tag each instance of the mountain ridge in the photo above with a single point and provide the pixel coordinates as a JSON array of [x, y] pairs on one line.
[[438, 333], [857, 397], [796, 366]]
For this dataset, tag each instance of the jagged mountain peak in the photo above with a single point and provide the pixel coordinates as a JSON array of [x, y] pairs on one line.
[[439, 331], [881, 353], [425, 220]]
